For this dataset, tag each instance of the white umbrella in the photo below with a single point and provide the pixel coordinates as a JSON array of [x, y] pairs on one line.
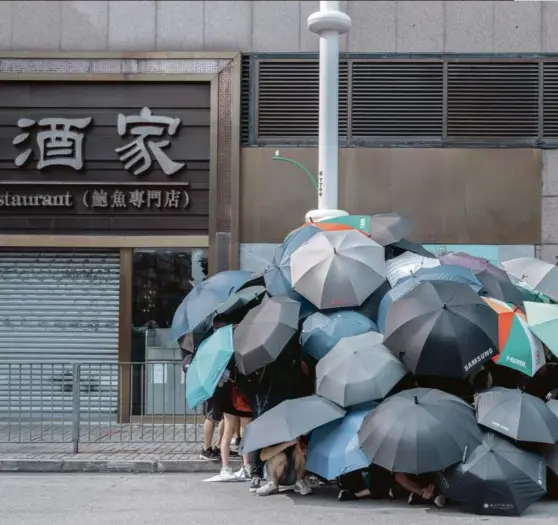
[[542, 276], [406, 265], [337, 269]]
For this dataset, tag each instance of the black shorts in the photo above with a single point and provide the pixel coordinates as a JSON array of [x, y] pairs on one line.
[[214, 405]]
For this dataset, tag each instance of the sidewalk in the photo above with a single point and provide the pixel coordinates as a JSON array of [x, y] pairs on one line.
[[103, 448]]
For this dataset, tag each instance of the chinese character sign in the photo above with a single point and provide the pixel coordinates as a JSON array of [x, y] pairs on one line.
[[137, 155], [138, 199], [60, 141]]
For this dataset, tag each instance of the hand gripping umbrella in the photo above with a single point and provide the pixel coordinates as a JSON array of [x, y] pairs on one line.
[[520, 416], [496, 478], [264, 332], [440, 328], [357, 370], [336, 269], [419, 430], [542, 276], [289, 420]]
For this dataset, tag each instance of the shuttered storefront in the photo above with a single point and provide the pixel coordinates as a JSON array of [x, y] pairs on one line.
[[57, 309]]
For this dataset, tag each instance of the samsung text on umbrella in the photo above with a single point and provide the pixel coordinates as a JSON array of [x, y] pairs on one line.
[[478, 359]]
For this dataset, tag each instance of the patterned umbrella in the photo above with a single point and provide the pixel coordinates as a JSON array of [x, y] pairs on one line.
[[406, 265], [519, 348]]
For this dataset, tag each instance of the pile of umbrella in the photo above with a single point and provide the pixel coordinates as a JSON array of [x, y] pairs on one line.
[[369, 310]]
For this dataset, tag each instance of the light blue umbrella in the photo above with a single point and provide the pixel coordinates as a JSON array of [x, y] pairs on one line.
[[204, 299], [321, 331], [334, 449], [446, 272], [208, 365], [278, 275]]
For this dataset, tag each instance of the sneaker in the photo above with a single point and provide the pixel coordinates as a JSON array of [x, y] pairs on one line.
[[267, 489], [243, 473], [255, 484], [302, 488], [227, 474], [207, 454], [440, 501]]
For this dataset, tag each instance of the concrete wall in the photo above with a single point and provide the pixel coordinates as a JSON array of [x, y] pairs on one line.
[[276, 26]]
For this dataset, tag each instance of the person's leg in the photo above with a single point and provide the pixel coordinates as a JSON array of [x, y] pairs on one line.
[[276, 468], [236, 436], [299, 460], [228, 432], [208, 430], [245, 471]]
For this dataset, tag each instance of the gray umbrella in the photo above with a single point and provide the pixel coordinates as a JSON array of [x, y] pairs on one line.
[[419, 430], [520, 416], [387, 228], [337, 269], [264, 332], [358, 369], [289, 420], [540, 275], [496, 477]]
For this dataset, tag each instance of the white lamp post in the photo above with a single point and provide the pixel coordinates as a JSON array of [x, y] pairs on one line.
[[328, 23]]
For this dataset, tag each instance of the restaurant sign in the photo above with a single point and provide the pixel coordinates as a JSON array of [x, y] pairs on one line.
[[114, 158]]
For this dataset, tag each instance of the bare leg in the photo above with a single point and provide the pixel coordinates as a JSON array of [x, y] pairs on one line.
[[230, 422], [276, 467], [242, 422], [221, 431], [208, 430]]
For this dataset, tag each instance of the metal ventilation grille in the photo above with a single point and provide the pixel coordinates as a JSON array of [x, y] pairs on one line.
[[493, 100], [397, 99], [550, 101], [245, 101], [288, 99]]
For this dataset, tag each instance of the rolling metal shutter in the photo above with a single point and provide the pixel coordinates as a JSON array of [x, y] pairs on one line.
[[550, 101], [288, 99], [57, 309]]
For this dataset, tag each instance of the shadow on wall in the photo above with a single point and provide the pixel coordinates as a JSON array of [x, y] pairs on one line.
[[256, 257]]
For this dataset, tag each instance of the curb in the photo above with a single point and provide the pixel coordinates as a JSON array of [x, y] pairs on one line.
[[106, 466]]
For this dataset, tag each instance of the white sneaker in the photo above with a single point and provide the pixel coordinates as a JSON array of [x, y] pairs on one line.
[[227, 474], [244, 473], [302, 488], [267, 489]]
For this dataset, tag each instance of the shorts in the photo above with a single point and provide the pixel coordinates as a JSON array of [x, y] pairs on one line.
[[214, 410]]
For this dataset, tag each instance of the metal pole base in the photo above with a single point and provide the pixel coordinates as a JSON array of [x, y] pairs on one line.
[[320, 215]]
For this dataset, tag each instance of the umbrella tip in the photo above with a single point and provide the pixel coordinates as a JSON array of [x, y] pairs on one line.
[[416, 400], [445, 307]]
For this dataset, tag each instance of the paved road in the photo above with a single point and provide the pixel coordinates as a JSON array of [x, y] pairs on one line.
[[70, 499]]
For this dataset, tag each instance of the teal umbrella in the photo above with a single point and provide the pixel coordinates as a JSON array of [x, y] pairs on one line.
[[543, 321], [208, 365]]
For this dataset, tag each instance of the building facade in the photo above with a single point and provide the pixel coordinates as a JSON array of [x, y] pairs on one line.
[[137, 139]]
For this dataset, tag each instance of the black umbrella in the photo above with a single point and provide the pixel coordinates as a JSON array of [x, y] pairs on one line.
[[442, 328], [404, 245], [419, 430], [520, 416], [264, 332], [496, 478]]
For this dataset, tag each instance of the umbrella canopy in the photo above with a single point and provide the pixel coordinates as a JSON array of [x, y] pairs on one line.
[[278, 275], [446, 272], [519, 348], [406, 265], [334, 449], [337, 269], [264, 332], [496, 478], [321, 331], [440, 328], [543, 322], [244, 298], [419, 430], [528, 292], [207, 367], [346, 222], [542, 276], [397, 292], [399, 248], [203, 301], [358, 369], [520, 416], [387, 228], [495, 281], [289, 420]]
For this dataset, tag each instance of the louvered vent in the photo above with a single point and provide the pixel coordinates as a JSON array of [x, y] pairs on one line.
[[397, 99], [245, 101], [288, 99], [550, 112], [493, 100]]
